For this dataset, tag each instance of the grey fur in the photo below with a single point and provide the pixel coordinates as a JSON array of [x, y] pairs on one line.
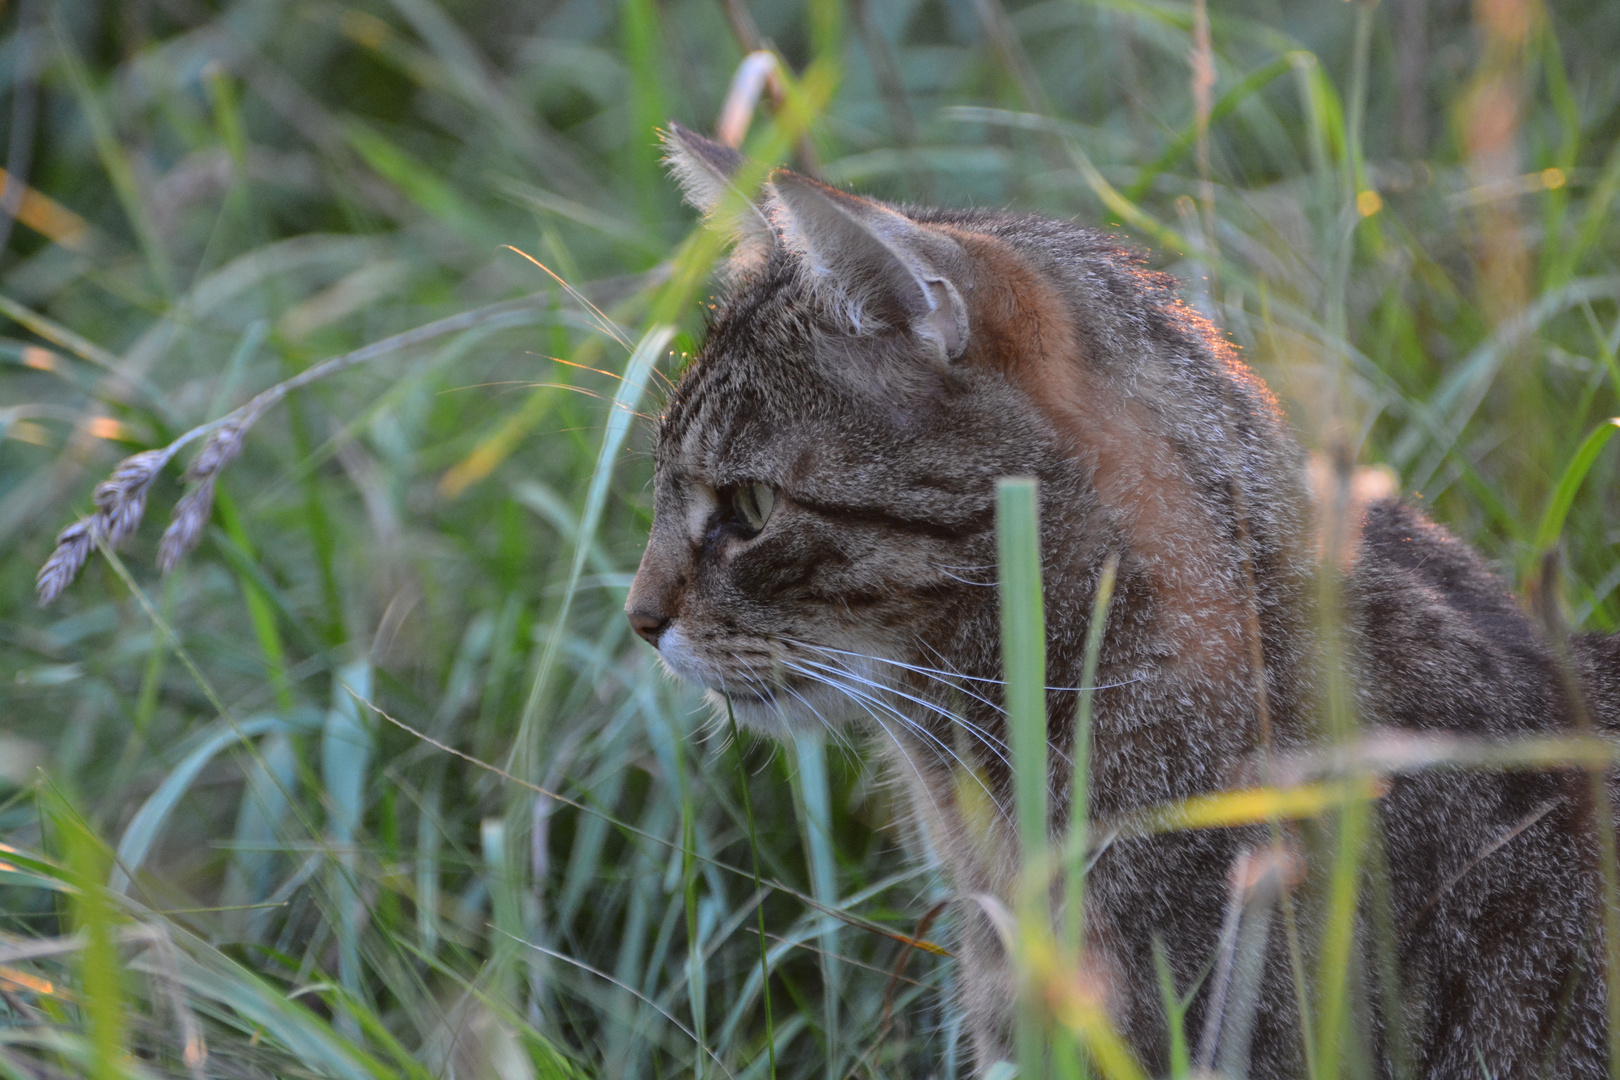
[[876, 569], [882, 271]]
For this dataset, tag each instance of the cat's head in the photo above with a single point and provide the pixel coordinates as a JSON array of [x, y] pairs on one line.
[[824, 496]]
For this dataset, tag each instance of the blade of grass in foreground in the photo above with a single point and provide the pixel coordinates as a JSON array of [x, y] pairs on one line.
[[100, 973], [689, 264], [1337, 943], [1080, 796], [1023, 652], [815, 816]]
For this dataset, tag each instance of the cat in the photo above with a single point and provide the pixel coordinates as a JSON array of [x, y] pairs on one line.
[[823, 552]]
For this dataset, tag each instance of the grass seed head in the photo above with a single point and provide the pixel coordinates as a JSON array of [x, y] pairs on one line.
[[191, 514], [220, 451], [121, 498], [72, 550]]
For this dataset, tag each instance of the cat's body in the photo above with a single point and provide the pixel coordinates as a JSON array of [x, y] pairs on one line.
[[824, 546]]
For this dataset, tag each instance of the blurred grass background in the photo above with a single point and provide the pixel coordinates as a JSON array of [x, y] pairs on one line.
[[1402, 213]]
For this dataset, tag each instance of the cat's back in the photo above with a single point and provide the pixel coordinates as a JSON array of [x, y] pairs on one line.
[[1492, 876], [1440, 642]]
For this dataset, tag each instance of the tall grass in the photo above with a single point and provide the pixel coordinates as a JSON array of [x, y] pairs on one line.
[[376, 782]]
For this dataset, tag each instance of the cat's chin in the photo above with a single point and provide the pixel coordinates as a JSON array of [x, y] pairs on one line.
[[778, 712], [778, 715]]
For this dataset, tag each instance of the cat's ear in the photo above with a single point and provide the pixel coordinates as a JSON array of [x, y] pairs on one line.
[[704, 169], [879, 269]]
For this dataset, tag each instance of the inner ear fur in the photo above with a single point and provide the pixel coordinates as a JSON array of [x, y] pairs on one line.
[[706, 171], [874, 268]]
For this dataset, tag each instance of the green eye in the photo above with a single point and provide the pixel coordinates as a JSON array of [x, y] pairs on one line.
[[752, 504]]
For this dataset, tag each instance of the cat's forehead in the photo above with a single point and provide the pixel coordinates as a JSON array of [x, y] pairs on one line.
[[754, 384]]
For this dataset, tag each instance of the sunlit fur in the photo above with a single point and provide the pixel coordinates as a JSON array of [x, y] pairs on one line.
[[868, 601]]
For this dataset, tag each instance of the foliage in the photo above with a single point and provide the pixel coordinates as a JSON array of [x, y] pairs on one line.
[[376, 782]]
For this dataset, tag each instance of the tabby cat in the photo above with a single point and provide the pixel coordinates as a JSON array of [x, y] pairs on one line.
[[823, 552]]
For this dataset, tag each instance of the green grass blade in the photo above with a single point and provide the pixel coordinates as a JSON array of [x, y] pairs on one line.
[[815, 825], [649, 350], [114, 159], [1563, 495], [643, 54], [260, 608], [100, 970], [428, 833], [347, 746], [505, 883], [753, 851], [423, 186], [1080, 790], [1226, 104], [266, 1010], [146, 827], [267, 802], [1023, 652]]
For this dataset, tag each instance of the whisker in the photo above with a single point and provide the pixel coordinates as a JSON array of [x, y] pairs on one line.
[[957, 674], [986, 702], [936, 672], [590, 394], [995, 745], [831, 729], [979, 732], [582, 367], [867, 703], [978, 573], [604, 371], [483, 385], [965, 581], [931, 706], [866, 700], [921, 783], [608, 326]]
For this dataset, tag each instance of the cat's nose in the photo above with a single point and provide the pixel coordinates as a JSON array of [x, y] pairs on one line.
[[655, 594], [649, 625]]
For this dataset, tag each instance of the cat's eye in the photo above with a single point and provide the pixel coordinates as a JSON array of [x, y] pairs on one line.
[[748, 505]]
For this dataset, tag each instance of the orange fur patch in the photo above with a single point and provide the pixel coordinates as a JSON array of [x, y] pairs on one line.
[[1020, 325]]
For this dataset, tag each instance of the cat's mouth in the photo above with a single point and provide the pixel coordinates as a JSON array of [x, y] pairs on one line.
[[757, 686], [751, 694]]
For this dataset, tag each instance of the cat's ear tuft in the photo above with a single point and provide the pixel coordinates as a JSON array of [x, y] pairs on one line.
[[705, 171], [702, 167], [877, 269]]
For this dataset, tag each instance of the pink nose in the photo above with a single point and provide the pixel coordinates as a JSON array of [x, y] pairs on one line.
[[649, 626]]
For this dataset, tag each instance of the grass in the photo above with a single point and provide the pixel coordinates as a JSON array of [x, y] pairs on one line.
[[376, 782]]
